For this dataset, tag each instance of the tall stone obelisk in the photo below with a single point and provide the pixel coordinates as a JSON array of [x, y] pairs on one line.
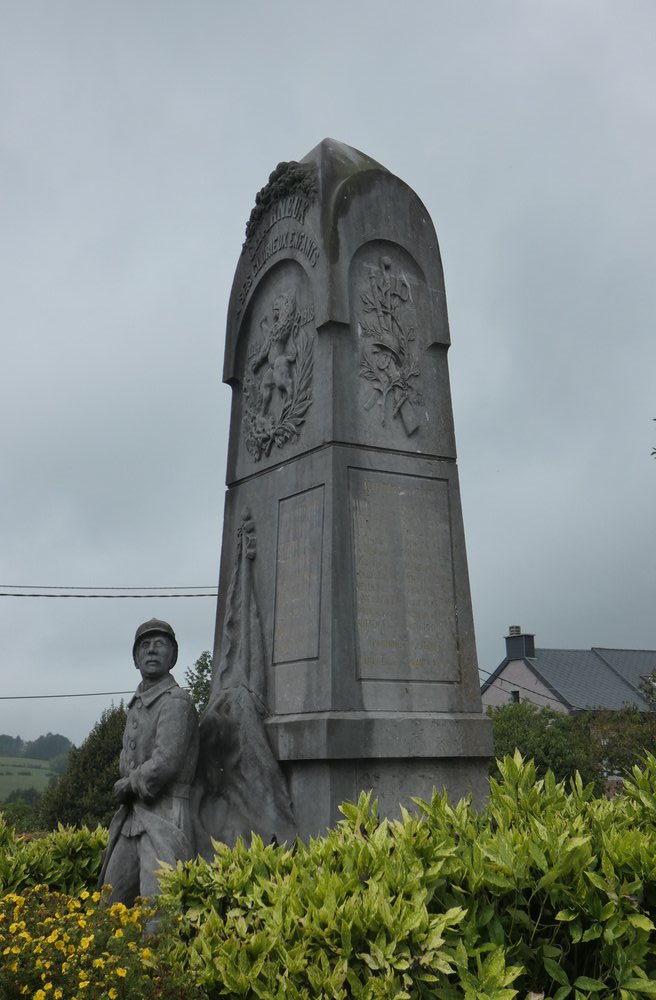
[[342, 455]]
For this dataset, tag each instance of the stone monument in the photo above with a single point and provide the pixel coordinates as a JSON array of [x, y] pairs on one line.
[[355, 612]]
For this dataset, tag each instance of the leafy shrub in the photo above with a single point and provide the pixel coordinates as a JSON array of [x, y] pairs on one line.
[[547, 891], [66, 860]]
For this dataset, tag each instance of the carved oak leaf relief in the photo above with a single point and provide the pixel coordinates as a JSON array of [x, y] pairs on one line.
[[278, 378], [387, 362]]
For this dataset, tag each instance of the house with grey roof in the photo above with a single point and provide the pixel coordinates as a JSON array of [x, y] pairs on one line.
[[568, 680]]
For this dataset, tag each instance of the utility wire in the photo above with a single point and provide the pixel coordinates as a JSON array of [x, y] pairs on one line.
[[39, 586], [104, 694], [79, 694], [105, 597]]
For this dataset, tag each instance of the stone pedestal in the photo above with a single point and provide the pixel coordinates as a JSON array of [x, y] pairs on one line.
[[342, 452]]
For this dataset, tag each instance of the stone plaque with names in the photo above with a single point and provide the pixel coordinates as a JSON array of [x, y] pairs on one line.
[[298, 577], [405, 606]]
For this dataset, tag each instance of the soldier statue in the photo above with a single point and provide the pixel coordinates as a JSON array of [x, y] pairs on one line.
[[157, 766]]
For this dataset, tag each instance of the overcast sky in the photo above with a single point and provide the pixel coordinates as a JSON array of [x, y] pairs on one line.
[[133, 138]]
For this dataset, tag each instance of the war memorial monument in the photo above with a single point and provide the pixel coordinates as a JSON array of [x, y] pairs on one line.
[[344, 657]]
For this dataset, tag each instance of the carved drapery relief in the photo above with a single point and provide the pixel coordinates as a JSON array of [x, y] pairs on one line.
[[388, 362], [239, 786], [278, 376]]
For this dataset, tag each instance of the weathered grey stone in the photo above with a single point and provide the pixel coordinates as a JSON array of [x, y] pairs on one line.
[[342, 448], [154, 821]]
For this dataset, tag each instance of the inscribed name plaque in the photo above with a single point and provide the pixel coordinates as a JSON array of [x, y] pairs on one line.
[[404, 583], [298, 577]]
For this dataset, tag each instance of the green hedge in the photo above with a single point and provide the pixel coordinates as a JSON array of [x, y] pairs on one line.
[[66, 860], [547, 891]]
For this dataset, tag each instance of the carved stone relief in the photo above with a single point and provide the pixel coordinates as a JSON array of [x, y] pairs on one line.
[[277, 383], [388, 362], [239, 787]]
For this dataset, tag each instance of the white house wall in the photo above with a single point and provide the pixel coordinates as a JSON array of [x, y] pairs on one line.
[[516, 676]]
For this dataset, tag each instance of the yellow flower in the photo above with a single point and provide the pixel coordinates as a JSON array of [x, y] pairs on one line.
[[121, 972], [84, 894], [39, 995], [86, 941], [112, 994], [118, 933]]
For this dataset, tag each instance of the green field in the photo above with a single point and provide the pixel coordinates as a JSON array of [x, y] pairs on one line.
[[23, 772]]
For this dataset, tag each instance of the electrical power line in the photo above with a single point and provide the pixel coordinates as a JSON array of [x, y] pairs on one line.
[[104, 597], [40, 586], [105, 694], [78, 694], [102, 593]]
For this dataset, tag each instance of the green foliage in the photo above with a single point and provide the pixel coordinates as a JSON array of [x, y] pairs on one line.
[[62, 947], [19, 809], [553, 740], [10, 746], [65, 860], [619, 739], [48, 746], [548, 890], [594, 743], [83, 796], [198, 680]]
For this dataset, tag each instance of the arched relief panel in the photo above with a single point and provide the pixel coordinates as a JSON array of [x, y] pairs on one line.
[[275, 369], [399, 396]]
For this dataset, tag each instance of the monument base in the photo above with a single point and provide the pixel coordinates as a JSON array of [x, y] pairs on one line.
[[330, 757]]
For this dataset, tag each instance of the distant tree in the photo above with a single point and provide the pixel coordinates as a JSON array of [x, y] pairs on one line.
[[199, 680], [46, 747], [648, 688], [618, 739], [553, 740], [10, 746], [82, 796], [59, 763], [20, 809]]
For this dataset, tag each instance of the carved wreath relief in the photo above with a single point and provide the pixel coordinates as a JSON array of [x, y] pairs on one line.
[[387, 361], [278, 377]]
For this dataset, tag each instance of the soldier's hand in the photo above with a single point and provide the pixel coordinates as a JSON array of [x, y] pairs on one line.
[[123, 790]]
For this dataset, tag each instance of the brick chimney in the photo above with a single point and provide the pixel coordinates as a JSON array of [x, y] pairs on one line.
[[519, 644]]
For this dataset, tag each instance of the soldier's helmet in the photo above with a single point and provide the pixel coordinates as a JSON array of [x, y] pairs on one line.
[[160, 627]]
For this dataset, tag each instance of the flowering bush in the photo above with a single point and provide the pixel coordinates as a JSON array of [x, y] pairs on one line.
[[57, 947]]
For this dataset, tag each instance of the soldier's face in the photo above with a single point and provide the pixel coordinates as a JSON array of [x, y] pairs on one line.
[[155, 656]]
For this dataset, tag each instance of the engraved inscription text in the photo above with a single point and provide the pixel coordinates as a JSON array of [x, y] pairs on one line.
[[405, 600], [298, 577]]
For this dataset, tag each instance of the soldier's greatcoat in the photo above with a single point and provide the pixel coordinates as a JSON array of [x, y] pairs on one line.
[[159, 755]]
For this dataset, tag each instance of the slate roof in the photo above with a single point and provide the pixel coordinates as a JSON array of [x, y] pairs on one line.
[[589, 678]]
